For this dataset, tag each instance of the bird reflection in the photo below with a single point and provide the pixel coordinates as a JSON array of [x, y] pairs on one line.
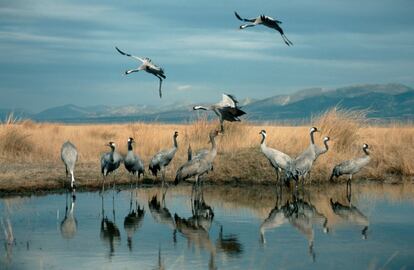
[[69, 224], [133, 221], [351, 215], [109, 230], [229, 244], [160, 265], [277, 217], [10, 240], [196, 228], [161, 214], [302, 215]]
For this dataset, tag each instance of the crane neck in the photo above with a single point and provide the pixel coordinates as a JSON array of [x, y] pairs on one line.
[[189, 153], [326, 146], [129, 146], [263, 140], [175, 141], [213, 142], [312, 138], [203, 108]]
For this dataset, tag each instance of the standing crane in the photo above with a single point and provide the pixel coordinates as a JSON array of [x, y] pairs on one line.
[[302, 165], [162, 159], [110, 161], [133, 163], [198, 165], [352, 166], [277, 159], [69, 155]]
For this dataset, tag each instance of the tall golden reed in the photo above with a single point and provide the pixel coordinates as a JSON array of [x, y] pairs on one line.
[[239, 156]]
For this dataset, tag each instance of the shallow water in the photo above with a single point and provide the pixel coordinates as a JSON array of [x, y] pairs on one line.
[[220, 228]]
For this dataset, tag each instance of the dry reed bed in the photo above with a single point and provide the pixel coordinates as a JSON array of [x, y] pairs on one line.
[[25, 144]]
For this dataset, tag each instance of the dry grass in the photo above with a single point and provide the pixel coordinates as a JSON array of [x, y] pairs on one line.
[[239, 158]]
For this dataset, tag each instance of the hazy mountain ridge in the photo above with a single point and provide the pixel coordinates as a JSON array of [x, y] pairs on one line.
[[389, 101]]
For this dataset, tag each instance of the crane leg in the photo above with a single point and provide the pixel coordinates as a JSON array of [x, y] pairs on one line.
[[287, 41], [130, 180], [113, 204], [138, 178], [159, 88], [103, 183], [349, 188], [277, 175], [113, 181], [163, 184]]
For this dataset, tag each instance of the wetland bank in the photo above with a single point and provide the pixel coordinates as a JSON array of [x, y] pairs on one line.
[[30, 152]]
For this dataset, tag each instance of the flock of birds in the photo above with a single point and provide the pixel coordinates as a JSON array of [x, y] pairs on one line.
[[148, 66], [202, 161]]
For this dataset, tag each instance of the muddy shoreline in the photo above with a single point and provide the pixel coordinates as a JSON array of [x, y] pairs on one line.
[[39, 178]]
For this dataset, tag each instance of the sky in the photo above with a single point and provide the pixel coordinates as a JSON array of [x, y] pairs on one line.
[[54, 53]]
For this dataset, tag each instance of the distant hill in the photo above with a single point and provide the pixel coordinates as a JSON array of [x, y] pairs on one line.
[[384, 101]]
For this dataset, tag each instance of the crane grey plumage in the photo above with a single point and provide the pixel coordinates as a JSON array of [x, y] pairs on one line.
[[110, 161], [352, 166], [69, 155], [163, 158], [266, 21], [133, 163], [198, 153], [227, 110], [148, 66], [277, 159], [199, 165], [302, 165]]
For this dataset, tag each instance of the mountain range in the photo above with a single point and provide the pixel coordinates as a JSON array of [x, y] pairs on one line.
[[383, 101]]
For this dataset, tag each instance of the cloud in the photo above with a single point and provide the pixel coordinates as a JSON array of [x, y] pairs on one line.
[[185, 87]]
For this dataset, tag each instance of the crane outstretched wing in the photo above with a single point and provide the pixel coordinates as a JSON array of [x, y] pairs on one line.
[[130, 55], [228, 101], [242, 19]]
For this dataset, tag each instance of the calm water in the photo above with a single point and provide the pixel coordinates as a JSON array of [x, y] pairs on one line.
[[220, 228]]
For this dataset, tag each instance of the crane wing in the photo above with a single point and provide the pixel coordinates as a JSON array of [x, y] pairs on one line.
[[243, 19], [228, 101], [270, 19], [130, 55]]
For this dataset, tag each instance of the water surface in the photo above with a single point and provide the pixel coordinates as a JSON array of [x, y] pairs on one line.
[[215, 228]]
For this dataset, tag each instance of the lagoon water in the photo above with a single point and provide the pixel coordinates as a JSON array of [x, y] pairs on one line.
[[220, 228]]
